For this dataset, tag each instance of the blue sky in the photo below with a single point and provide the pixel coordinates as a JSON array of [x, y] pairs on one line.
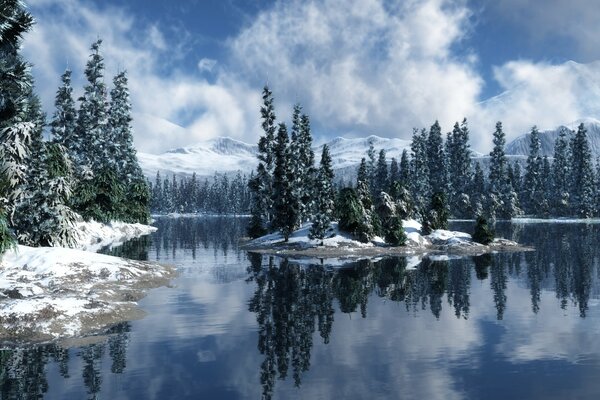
[[358, 67]]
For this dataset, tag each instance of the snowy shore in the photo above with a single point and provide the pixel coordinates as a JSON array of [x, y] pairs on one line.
[[342, 245], [49, 293]]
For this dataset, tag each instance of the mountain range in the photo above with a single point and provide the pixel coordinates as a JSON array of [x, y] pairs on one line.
[[226, 155]]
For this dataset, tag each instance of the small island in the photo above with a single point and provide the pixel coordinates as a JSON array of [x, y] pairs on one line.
[[344, 246]]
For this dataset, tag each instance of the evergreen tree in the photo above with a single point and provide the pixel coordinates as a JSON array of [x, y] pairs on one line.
[[533, 187], [391, 222], [325, 198], [307, 172], [419, 168], [436, 160], [370, 221], [371, 165], [394, 174], [136, 207], [547, 187], [285, 202], [498, 161], [381, 174], [560, 196], [517, 180], [478, 197], [404, 169], [483, 233], [65, 115], [352, 215], [437, 217], [582, 175], [459, 170], [262, 183]]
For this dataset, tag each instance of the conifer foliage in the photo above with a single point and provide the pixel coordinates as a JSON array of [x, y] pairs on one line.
[[325, 198]]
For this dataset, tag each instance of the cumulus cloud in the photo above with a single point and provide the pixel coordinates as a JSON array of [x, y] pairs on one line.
[[364, 65], [358, 66], [162, 100]]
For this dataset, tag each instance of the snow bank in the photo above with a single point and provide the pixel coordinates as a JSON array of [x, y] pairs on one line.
[[52, 292], [56, 292], [94, 236]]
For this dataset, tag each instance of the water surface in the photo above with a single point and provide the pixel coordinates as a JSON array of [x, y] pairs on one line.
[[242, 326]]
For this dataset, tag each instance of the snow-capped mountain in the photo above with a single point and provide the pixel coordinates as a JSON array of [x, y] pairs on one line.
[[520, 146], [223, 155], [226, 155]]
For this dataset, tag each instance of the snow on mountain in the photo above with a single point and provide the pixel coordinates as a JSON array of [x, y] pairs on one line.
[[223, 155], [226, 155], [520, 146]]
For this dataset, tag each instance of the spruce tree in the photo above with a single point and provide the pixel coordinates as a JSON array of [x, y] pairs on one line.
[[459, 170], [352, 216], [381, 174], [483, 233], [582, 175], [560, 197], [419, 168], [394, 174], [404, 169], [285, 203], [478, 197], [261, 185], [324, 198], [533, 187], [391, 222], [436, 160], [136, 207], [308, 171], [498, 161], [65, 115]]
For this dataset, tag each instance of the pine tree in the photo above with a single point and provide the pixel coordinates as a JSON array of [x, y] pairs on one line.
[[325, 198], [308, 171], [533, 188], [285, 203], [394, 174], [65, 116], [560, 198], [381, 174], [136, 207], [478, 197], [419, 168], [391, 222], [436, 160], [459, 170], [547, 187], [498, 161], [352, 216], [483, 233], [404, 169], [261, 185], [582, 175]]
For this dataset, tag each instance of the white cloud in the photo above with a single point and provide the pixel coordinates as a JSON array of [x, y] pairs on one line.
[[207, 64], [159, 99], [363, 66], [358, 66]]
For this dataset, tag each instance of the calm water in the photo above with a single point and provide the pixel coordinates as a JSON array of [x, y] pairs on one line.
[[237, 326]]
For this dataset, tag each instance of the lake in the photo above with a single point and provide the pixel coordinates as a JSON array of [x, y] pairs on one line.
[[241, 326]]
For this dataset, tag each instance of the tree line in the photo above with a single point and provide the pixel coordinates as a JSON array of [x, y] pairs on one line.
[[434, 181], [220, 195], [87, 168]]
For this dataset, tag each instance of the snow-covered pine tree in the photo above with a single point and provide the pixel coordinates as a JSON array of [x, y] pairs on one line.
[[157, 200], [459, 170], [167, 196], [404, 169], [285, 204], [497, 177], [16, 127], [517, 180], [582, 175], [295, 167], [308, 171], [65, 116], [371, 166], [419, 170], [394, 174], [436, 160], [533, 193], [478, 197], [502, 199], [559, 199], [391, 222], [369, 226], [324, 198], [261, 185], [547, 187], [351, 215], [381, 174], [136, 207]]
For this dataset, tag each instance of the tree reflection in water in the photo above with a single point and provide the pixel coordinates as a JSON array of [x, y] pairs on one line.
[[292, 301]]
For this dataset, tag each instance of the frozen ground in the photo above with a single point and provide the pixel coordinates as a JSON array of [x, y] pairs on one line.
[[48, 293], [341, 245]]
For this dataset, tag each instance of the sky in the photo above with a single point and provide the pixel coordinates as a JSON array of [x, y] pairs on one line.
[[358, 67]]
